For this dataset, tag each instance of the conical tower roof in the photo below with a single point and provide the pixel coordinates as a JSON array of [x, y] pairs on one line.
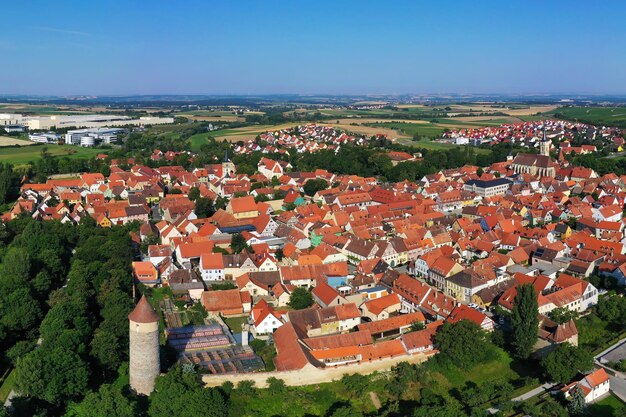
[[143, 312]]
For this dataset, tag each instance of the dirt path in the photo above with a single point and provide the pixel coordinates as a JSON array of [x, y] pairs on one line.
[[375, 400]]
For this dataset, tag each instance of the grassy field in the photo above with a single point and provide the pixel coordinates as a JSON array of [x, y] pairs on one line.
[[429, 130], [27, 154], [604, 116], [610, 406]]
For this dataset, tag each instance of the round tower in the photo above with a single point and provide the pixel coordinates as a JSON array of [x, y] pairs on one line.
[[144, 364]]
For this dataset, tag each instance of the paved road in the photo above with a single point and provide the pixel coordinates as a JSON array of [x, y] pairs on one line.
[[537, 391], [615, 352], [618, 386]]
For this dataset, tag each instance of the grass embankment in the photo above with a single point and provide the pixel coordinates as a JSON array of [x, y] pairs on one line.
[[445, 381]]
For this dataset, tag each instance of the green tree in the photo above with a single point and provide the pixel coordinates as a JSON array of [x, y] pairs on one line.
[[576, 405], [204, 207], [178, 393], [108, 401], [525, 320], [313, 186], [53, 375], [562, 315], [194, 193], [565, 361], [345, 410], [417, 326], [6, 182], [238, 243], [355, 384], [279, 254], [300, 298], [463, 343], [276, 386]]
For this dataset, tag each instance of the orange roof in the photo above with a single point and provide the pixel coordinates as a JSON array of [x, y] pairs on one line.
[[597, 377], [377, 305], [145, 271], [325, 293], [210, 260], [195, 249], [290, 354], [224, 301], [309, 260], [392, 323], [243, 204]]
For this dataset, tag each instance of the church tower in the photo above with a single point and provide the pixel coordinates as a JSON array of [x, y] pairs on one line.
[[228, 168], [544, 145], [144, 361]]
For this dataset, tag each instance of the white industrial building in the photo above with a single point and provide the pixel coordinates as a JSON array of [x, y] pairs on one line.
[[91, 120], [44, 137], [7, 119], [79, 121], [92, 137]]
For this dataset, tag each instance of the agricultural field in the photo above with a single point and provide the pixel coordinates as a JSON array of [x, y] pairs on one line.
[[600, 116], [428, 130], [236, 134], [12, 141], [27, 154], [217, 115]]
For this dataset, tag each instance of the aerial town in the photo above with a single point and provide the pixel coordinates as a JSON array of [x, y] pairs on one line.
[[341, 271], [355, 209]]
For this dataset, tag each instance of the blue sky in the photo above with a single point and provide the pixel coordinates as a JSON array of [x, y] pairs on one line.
[[312, 47]]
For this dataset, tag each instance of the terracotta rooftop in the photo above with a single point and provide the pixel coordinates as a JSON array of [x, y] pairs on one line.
[[143, 312]]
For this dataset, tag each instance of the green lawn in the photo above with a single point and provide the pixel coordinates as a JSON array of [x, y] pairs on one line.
[[27, 154], [234, 323], [610, 406], [6, 385]]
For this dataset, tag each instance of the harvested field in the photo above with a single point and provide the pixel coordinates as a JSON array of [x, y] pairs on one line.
[[486, 118], [8, 141], [531, 110]]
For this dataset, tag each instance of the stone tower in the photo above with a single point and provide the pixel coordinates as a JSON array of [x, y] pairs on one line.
[[144, 347], [544, 145]]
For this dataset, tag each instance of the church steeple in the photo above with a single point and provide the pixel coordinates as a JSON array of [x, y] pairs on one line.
[[544, 145]]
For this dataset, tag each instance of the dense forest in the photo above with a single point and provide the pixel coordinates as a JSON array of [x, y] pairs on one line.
[[65, 293]]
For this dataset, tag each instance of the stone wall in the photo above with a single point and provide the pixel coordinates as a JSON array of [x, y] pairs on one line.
[[311, 375]]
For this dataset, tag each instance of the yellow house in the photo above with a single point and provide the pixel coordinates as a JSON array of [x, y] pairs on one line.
[[103, 221], [463, 285], [243, 207]]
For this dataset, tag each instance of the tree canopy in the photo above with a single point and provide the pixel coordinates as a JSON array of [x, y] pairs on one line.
[[525, 320], [300, 298], [565, 361], [179, 393], [463, 343]]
